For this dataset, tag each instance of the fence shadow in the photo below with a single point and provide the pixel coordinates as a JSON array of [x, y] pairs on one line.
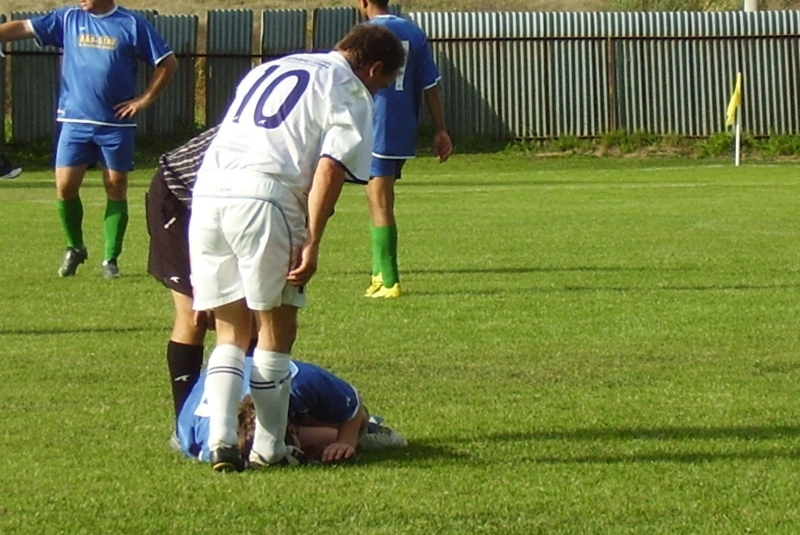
[[682, 444]]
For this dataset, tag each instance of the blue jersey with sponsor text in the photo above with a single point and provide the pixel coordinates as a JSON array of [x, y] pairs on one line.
[[397, 106], [315, 392], [100, 59]]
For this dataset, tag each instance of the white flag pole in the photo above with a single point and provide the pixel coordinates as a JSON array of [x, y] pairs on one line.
[[738, 136]]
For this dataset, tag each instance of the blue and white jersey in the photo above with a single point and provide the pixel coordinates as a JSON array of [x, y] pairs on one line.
[[99, 63], [315, 392], [397, 106]]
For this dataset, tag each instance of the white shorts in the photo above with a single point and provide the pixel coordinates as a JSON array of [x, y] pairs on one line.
[[245, 248]]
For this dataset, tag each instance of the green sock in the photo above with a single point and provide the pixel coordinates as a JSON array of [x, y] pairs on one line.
[[384, 245], [393, 255], [377, 240], [115, 223], [70, 212]]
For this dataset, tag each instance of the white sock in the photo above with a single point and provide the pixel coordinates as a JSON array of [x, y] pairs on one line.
[[270, 384], [223, 392]]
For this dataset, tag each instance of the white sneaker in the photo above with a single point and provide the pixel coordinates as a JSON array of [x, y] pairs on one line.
[[381, 437], [294, 457], [174, 443], [14, 173]]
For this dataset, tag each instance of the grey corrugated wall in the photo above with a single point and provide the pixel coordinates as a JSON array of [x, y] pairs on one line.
[[2, 90], [174, 110], [584, 74], [34, 87], [229, 57], [283, 31], [505, 75]]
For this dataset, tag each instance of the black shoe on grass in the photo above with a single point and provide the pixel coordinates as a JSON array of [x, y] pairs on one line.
[[72, 259], [109, 269], [227, 459]]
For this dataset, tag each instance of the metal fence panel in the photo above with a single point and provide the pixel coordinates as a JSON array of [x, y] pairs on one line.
[[174, 109], [143, 74], [283, 31], [229, 58], [330, 25], [661, 73], [2, 91], [35, 77], [506, 75]]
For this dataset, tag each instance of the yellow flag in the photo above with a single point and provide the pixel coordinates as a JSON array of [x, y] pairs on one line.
[[736, 100]]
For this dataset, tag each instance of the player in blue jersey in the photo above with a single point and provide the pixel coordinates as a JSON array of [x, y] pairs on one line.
[[395, 124], [97, 106], [326, 418]]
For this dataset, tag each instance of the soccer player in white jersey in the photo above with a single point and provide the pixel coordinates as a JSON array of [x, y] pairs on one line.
[[297, 128], [396, 114], [102, 44]]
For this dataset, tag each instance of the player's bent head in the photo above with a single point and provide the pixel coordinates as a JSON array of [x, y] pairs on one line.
[[369, 44]]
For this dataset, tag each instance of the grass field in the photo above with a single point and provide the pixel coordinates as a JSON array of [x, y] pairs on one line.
[[586, 346]]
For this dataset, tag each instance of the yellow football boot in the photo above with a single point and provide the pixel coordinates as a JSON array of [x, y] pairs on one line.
[[388, 293], [377, 282]]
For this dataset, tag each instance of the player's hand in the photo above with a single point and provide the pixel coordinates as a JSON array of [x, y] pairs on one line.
[[442, 145], [129, 108], [306, 265], [337, 451]]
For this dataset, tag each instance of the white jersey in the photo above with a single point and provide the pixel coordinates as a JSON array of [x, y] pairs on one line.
[[286, 115]]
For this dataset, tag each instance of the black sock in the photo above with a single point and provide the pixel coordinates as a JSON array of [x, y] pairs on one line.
[[184, 363]]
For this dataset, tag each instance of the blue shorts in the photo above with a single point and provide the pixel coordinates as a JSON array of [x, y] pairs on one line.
[[386, 167], [84, 144]]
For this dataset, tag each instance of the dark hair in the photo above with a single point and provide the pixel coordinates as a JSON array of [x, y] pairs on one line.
[[379, 3], [368, 43], [247, 425]]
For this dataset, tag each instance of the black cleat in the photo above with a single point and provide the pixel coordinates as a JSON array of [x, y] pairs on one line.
[[72, 259], [109, 269], [227, 459]]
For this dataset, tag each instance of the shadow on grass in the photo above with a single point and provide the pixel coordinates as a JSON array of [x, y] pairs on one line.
[[21, 183], [519, 270], [619, 439], [671, 457], [78, 330], [516, 290], [415, 452]]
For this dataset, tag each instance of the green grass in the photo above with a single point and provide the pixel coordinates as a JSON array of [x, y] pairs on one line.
[[585, 346]]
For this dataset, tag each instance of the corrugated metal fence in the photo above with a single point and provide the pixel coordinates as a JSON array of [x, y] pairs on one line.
[[505, 75]]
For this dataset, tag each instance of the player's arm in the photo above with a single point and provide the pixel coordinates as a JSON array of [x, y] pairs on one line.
[[325, 190], [442, 144], [344, 447], [158, 81], [16, 30]]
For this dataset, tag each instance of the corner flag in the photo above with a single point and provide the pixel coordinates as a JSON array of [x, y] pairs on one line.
[[736, 100], [734, 119]]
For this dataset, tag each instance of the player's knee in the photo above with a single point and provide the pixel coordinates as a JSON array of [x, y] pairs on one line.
[[188, 331]]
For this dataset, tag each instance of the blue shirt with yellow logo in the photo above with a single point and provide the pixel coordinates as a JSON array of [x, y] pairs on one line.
[[100, 59]]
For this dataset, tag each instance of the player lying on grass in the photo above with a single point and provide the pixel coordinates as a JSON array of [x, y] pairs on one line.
[[327, 420]]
